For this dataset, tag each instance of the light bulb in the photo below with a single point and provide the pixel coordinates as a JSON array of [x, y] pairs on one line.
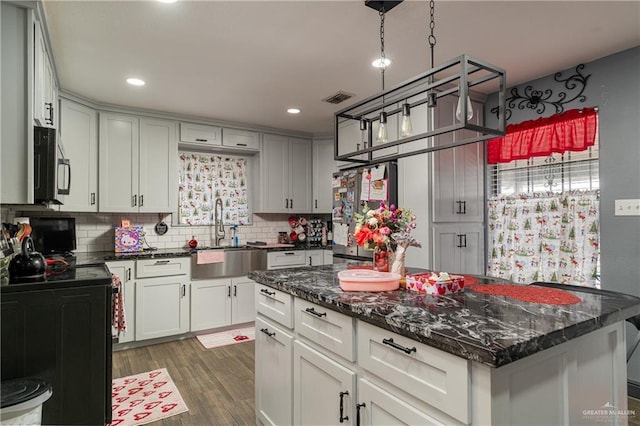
[[363, 130], [382, 129], [469, 109], [405, 125]]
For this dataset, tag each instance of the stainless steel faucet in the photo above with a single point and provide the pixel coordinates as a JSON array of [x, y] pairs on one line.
[[219, 228]]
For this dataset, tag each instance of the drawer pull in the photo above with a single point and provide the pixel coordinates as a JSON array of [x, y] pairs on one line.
[[358, 407], [343, 417], [393, 344], [316, 313], [266, 331], [267, 292], [289, 253], [201, 140], [161, 262]]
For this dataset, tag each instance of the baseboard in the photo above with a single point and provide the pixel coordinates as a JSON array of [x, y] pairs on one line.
[[633, 389]]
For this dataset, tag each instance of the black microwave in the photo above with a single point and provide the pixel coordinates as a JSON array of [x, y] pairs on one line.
[[51, 171]]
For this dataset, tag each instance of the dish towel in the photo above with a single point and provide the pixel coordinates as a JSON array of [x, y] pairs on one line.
[[205, 257], [118, 321]]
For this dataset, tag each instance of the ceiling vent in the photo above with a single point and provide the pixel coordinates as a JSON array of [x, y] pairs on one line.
[[338, 97]]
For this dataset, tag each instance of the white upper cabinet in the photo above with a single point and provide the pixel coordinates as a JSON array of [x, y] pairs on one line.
[[45, 87], [240, 139], [323, 167], [200, 134], [138, 164], [79, 134], [458, 192], [285, 170]]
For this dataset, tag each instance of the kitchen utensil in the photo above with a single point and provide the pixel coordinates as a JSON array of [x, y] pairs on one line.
[[28, 265], [302, 237]]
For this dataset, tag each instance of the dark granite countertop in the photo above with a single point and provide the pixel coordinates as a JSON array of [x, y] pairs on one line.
[[493, 330], [68, 278], [98, 258]]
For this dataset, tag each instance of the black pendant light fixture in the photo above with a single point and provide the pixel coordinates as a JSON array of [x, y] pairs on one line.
[[449, 80]]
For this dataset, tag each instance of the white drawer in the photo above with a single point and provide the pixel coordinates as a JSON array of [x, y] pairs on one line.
[[286, 259], [436, 377], [330, 329], [274, 304], [201, 134], [148, 268]]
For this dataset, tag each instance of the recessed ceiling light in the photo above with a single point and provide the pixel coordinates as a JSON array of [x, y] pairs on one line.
[[380, 63], [293, 110], [135, 82]]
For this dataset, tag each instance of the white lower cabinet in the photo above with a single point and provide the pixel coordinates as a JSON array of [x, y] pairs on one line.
[[221, 302], [273, 373], [125, 271], [162, 307], [459, 248], [162, 299], [315, 257], [377, 406], [323, 390]]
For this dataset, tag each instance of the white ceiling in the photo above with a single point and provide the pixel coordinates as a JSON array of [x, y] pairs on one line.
[[247, 61]]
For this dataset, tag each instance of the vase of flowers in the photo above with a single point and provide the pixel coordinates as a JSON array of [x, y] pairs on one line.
[[386, 230]]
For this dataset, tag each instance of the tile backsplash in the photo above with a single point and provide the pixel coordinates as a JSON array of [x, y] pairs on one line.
[[95, 231]]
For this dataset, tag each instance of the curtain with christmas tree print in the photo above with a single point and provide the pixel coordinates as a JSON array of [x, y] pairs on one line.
[[545, 237], [203, 178]]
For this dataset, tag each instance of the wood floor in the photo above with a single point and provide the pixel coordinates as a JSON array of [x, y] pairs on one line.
[[216, 384]]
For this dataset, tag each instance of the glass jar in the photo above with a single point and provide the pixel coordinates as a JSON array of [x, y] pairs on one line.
[[382, 259]]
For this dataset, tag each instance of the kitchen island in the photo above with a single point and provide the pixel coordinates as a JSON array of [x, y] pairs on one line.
[[467, 358]]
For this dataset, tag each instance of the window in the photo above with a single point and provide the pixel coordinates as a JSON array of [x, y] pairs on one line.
[[543, 214], [568, 171], [203, 178]]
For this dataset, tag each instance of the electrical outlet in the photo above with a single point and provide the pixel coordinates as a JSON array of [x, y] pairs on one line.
[[627, 207]]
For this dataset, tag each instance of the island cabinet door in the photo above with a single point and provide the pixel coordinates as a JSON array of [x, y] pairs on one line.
[[273, 374], [376, 406], [323, 390]]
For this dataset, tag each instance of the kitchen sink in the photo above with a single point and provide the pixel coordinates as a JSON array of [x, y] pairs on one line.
[[238, 261]]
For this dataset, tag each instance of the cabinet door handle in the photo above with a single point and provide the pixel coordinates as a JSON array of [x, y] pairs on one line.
[[459, 209], [201, 140], [464, 207], [134, 200], [291, 203], [316, 313], [128, 274], [141, 200], [316, 203], [394, 345], [459, 237], [286, 203], [342, 416], [310, 261], [266, 331], [358, 407], [49, 107], [93, 198], [228, 291], [463, 240], [162, 262], [184, 290], [267, 292], [235, 291]]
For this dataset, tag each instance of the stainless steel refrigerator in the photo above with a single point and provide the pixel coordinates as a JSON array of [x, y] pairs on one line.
[[351, 189]]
